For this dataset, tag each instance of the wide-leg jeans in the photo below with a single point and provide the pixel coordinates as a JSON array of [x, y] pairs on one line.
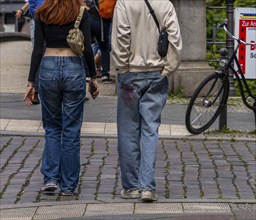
[[141, 98], [62, 90]]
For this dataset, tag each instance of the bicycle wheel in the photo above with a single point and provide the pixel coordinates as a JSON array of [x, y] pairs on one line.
[[206, 103]]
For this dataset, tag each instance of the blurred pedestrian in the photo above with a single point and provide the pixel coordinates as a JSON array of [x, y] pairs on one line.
[[62, 90], [142, 88], [100, 28], [20, 11], [31, 5]]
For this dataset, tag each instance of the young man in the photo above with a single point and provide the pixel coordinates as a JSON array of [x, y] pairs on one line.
[[142, 88]]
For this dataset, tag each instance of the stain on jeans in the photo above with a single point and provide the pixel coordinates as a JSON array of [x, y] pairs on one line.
[[127, 93]]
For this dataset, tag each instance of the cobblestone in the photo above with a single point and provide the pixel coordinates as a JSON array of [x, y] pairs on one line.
[[185, 169]]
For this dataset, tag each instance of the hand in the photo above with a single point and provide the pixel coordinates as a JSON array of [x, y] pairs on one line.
[[163, 74], [18, 14], [28, 94], [93, 88]]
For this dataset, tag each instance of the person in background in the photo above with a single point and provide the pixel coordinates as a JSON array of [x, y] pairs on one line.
[[19, 14], [142, 89], [62, 90], [100, 28], [97, 58], [32, 5], [20, 11]]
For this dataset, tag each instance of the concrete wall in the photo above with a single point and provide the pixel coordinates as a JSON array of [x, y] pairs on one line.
[[192, 19]]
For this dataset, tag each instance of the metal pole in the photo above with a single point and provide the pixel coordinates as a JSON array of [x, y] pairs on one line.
[[230, 47], [229, 41], [3, 19]]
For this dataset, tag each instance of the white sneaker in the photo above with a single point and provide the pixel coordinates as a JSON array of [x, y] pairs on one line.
[[106, 80], [88, 79], [130, 194], [49, 187], [148, 196]]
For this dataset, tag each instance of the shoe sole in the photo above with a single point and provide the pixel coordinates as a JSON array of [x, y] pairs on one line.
[[130, 197], [148, 198], [107, 82], [67, 195], [49, 189]]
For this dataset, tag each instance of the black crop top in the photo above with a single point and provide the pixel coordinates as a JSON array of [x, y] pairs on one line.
[[54, 36]]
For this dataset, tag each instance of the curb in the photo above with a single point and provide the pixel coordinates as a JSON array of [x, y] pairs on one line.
[[14, 36], [200, 137], [172, 201]]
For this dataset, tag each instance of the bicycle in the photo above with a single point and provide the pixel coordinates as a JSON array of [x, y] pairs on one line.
[[211, 95]]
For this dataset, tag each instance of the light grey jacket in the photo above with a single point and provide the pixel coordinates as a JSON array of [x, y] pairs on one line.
[[135, 36]]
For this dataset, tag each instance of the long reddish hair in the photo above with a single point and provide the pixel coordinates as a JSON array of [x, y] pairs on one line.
[[59, 12]]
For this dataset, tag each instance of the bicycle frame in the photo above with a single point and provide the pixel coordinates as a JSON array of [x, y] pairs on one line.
[[239, 74], [211, 96]]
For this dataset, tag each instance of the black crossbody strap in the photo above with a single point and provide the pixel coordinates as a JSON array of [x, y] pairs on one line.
[[153, 14]]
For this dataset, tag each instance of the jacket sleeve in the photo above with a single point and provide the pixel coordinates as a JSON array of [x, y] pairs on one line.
[[175, 43], [120, 38], [88, 53], [38, 49]]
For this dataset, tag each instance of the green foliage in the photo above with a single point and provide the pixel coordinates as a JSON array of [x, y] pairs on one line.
[[179, 93], [212, 56], [213, 17], [251, 83], [237, 3], [253, 132], [233, 132], [243, 3]]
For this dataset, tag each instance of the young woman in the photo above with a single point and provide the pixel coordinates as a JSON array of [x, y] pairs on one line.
[[62, 90]]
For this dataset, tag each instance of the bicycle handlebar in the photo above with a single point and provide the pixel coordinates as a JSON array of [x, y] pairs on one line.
[[224, 26]]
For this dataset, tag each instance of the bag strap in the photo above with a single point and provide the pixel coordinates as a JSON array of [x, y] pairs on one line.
[[101, 21], [79, 17], [153, 14]]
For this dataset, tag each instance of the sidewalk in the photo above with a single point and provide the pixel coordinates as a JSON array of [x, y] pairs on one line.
[[208, 176], [207, 179]]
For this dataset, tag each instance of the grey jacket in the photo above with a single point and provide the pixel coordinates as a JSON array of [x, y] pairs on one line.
[[135, 36]]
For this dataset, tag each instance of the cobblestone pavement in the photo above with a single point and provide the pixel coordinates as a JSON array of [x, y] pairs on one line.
[[185, 169]]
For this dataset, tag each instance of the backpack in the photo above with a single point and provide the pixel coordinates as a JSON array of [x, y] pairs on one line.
[[75, 38], [106, 8]]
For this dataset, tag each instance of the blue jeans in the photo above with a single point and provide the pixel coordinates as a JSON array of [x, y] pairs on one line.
[[141, 98], [62, 90]]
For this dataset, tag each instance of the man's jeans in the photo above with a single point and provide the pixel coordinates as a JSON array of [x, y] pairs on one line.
[[62, 88], [141, 98]]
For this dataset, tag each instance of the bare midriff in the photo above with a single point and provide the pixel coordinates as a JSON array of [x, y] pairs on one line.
[[65, 52]]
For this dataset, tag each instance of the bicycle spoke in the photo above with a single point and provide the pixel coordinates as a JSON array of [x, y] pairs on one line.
[[205, 107], [205, 104]]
